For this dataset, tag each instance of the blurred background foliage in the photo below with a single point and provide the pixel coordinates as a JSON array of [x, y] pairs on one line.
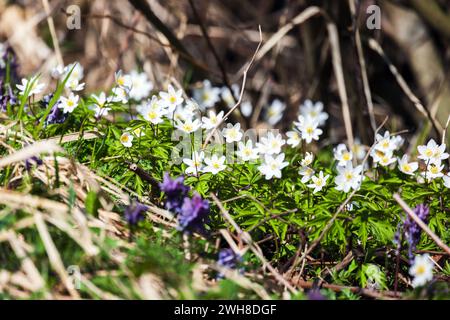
[[123, 34]]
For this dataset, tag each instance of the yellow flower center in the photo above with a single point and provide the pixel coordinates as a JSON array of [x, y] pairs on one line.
[[172, 99], [429, 152], [420, 269], [346, 156], [434, 170], [152, 115], [406, 167], [205, 96]]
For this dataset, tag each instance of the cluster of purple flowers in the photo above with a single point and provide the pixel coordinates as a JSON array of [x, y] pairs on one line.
[[411, 231], [192, 213], [228, 259], [9, 60], [6, 96], [135, 213], [56, 115]]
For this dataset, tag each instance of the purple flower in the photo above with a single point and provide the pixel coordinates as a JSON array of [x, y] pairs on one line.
[[32, 161], [8, 57], [193, 214], [134, 213], [411, 230], [175, 191], [56, 115], [314, 294], [228, 259], [6, 96]]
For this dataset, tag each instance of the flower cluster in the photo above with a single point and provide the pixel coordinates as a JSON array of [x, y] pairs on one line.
[[135, 213], [411, 230], [7, 96], [228, 259], [192, 213], [8, 61]]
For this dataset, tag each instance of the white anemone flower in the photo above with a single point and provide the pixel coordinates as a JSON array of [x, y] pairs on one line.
[[310, 130], [407, 167], [172, 98], [272, 166], [318, 182], [214, 164], [246, 152], [446, 179], [271, 144], [154, 113], [207, 96], [313, 111], [433, 171], [308, 159], [421, 270], [126, 139], [77, 71], [275, 112], [348, 177], [99, 107], [294, 138], [232, 133], [188, 126], [33, 86], [212, 120], [384, 143], [358, 149], [68, 104], [306, 173], [230, 98], [432, 152], [119, 94], [387, 159], [75, 85], [141, 86], [194, 165], [246, 108], [342, 155], [123, 80]]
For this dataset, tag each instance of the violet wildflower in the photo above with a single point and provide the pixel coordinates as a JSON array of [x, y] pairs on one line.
[[315, 294], [32, 161], [193, 214], [8, 60], [134, 213], [6, 96], [56, 114], [175, 191], [411, 231], [228, 259]]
